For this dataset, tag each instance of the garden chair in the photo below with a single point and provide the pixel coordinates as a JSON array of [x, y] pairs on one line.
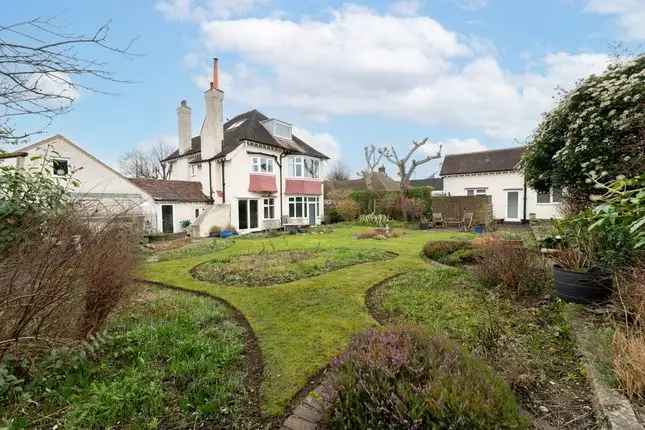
[[437, 219], [467, 222]]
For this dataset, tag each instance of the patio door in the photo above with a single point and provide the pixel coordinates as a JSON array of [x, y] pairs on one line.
[[513, 205], [247, 214]]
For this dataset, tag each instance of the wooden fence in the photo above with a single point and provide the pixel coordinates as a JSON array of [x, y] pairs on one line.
[[456, 206]]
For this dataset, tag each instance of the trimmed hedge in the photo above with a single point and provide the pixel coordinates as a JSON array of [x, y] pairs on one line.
[[405, 379]]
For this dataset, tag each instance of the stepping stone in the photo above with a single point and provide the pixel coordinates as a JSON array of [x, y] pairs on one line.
[[295, 423]]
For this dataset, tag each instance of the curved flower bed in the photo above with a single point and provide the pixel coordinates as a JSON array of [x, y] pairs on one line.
[[268, 268]]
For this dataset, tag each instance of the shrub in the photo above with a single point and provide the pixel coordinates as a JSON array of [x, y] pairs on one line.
[[214, 230], [629, 362], [184, 224], [404, 379], [596, 129], [378, 220], [332, 216], [60, 282], [348, 209], [412, 209], [438, 249], [517, 269]]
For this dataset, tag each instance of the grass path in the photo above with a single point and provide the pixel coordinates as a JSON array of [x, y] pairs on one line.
[[302, 325]]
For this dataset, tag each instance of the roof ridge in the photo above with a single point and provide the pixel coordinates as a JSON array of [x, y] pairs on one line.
[[488, 150]]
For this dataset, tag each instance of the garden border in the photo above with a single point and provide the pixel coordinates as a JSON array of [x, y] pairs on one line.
[[391, 255], [255, 359], [614, 407]]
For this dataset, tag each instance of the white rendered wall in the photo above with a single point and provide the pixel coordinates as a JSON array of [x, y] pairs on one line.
[[496, 185]]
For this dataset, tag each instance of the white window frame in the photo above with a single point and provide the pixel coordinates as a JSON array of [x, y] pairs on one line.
[[303, 167], [268, 207], [550, 195], [59, 160], [193, 170], [262, 165], [304, 201], [476, 191]]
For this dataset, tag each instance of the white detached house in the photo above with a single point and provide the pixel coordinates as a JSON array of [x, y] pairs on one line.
[[255, 172], [496, 173]]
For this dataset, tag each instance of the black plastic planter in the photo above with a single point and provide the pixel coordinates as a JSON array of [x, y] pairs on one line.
[[592, 286]]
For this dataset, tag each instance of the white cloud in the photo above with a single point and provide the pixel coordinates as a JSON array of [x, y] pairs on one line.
[[454, 146], [471, 4], [411, 68], [629, 13], [323, 142], [405, 7], [200, 10]]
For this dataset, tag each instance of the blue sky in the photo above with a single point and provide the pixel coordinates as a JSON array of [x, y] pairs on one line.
[[468, 74]]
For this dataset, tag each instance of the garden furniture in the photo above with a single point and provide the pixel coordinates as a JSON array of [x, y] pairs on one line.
[[437, 219]]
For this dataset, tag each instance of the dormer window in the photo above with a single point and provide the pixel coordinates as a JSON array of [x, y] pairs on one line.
[[278, 128]]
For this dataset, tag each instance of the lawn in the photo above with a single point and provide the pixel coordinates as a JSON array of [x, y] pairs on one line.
[[301, 325], [528, 342], [167, 360], [277, 267]]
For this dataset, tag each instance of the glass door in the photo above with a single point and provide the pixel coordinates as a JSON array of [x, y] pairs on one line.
[[247, 214], [512, 205], [253, 214]]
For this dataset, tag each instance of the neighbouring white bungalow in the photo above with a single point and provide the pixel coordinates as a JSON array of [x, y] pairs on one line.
[[103, 192], [496, 173], [256, 172]]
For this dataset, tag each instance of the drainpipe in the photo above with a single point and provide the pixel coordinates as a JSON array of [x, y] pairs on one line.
[[281, 199], [223, 182], [524, 201], [210, 179]]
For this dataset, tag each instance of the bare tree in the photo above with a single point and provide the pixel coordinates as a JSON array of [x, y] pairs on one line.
[[338, 172], [147, 163], [373, 157], [43, 69], [405, 166]]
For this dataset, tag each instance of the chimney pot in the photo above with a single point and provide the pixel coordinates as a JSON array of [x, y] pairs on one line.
[[184, 103], [381, 169], [215, 82]]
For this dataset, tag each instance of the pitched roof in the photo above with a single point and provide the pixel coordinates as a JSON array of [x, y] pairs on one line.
[[178, 191], [250, 128], [435, 183], [380, 182], [498, 160]]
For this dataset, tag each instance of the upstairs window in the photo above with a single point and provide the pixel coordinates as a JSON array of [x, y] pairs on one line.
[[262, 164], [60, 167], [302, 167]]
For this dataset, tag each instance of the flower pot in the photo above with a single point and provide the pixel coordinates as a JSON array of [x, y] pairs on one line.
[[592, 286]]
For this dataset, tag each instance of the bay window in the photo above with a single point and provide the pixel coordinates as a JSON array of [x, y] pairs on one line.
[[299, 206], [303, 167]]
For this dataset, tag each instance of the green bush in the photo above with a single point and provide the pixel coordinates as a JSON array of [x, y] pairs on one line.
[[348, 209], [596, 130], [378, 220], [438, 249], [404, 379]]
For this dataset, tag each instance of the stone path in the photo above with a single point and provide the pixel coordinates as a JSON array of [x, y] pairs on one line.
[[312, 409]]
